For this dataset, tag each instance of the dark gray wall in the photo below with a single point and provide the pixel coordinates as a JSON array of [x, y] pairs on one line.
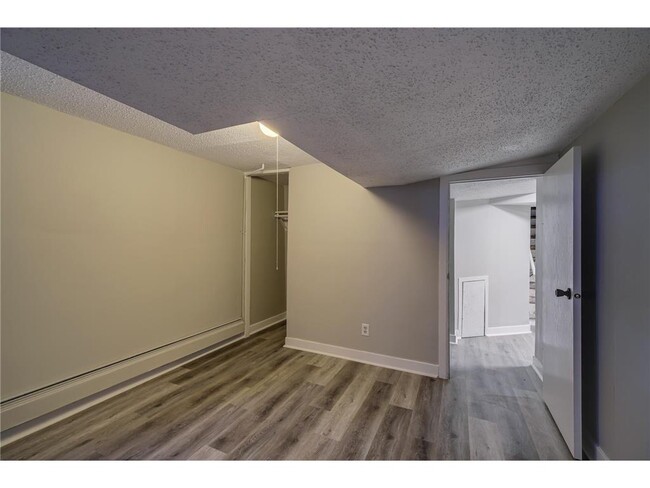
[[616, 268]]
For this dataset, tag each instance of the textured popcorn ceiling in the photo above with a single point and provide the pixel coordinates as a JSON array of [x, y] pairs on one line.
[[382, 106], [243, 147], [487, 190]]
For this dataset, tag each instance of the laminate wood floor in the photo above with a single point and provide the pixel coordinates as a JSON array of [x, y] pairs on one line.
[[258, 400]]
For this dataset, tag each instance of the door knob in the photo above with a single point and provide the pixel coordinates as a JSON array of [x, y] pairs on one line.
[[563, 293]]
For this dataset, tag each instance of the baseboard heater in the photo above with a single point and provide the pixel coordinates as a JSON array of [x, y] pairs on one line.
[[47, 399]]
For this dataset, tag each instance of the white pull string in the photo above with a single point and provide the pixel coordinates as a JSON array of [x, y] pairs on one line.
[[277, 201]]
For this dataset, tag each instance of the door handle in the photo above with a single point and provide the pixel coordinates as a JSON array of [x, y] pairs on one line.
[[563, 293]]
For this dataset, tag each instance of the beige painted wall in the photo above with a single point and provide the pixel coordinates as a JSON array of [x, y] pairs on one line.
[[363, 255], [111, 245], [268, 285]]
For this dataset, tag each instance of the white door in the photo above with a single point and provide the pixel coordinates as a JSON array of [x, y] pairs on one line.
[[473, 307], [558, 221]]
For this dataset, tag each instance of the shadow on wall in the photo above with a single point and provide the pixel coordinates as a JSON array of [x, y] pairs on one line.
[[418, 205], [590, 250], [411, 199]]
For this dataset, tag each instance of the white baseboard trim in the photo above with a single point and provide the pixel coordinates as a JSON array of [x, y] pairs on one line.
[[391, 362], [600, 454], [508, 330], [594, 451], [266, 323], [35, 411], [538, 368]]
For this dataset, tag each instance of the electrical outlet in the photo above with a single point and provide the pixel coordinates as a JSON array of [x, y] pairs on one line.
[[365, 329]]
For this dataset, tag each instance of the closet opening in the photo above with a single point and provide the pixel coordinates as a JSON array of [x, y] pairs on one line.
[[266, 228]]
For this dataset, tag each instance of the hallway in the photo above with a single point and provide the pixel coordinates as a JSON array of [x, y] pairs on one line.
[[501, 395]]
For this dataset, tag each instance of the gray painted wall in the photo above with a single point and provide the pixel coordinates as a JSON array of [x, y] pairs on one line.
[[495, 241], [359, 255], [616, 271]]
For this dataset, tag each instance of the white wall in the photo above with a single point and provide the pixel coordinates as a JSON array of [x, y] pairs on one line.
[[494, 240], [358, 255]]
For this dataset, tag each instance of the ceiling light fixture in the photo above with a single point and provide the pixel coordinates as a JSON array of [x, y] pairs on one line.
[[266, 131]]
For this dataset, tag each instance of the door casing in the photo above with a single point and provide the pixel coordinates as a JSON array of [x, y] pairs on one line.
[[522, 169]]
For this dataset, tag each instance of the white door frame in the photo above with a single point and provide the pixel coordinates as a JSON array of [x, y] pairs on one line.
[[246, 282], [522, 169], [461, 282]]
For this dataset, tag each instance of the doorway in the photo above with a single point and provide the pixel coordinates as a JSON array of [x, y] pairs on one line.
[[492, 283], [557, 320], [266, 228], [492, 266]]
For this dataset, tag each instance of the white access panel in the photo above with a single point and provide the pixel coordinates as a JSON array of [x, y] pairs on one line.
[[473, 306]]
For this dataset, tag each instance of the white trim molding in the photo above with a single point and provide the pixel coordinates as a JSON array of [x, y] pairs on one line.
[[246, 282], [538, 368], [594, 452], [600, 454], [44, 407], [508, 330], [375, 359], [266, 323]]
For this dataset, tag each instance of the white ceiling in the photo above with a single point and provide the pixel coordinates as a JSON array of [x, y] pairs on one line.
[[243, 147], [382, 106], [488, 190]]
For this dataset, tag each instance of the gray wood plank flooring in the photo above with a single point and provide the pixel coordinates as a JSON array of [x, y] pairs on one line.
[[258, 400]]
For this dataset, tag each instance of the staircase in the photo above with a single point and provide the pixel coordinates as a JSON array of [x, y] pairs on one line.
[[532, 273]]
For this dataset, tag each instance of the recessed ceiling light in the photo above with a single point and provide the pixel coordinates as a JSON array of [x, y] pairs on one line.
[[266, 131]]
